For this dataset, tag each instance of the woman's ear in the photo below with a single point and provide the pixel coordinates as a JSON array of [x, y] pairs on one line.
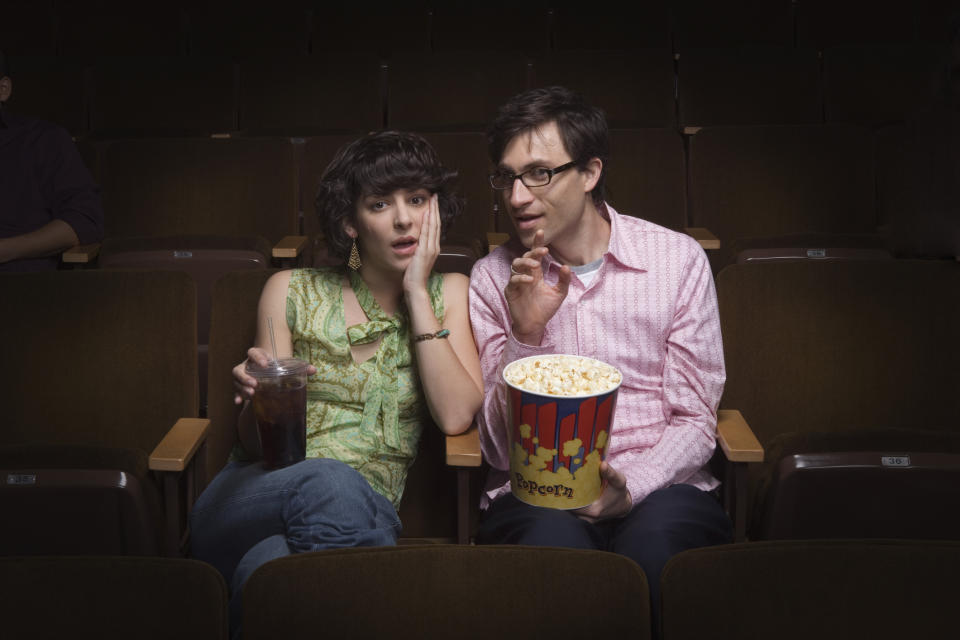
[[350, 230]]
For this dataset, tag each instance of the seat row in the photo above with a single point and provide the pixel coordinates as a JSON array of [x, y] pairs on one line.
[[808, 186], [97, 27], [836, 590], [343, 91], [842, 372]]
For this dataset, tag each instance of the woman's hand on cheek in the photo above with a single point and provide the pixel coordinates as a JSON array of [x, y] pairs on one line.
[[428, 248]]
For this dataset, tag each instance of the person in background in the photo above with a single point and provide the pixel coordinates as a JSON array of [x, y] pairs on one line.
[[48, 199], [583, 279], [389, 341]]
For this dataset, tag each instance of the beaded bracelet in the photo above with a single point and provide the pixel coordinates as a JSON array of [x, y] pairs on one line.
[[443, 333]]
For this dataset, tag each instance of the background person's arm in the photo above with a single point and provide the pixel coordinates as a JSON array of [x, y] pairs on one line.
[[52, 238], [68, 188]]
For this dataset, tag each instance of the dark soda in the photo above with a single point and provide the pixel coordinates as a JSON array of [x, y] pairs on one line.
[[280, 407]]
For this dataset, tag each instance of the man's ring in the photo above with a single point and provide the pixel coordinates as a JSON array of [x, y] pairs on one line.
[[514, 271]]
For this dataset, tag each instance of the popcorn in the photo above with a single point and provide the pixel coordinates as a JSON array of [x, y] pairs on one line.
[[562, 375]]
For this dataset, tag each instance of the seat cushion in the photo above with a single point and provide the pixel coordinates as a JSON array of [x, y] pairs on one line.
[[840, 485]]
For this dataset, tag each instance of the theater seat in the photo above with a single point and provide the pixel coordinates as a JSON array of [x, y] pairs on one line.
[[636, 88], [112, 598], [448, 591], [704, 23], [823, 23], [647, 176], [451, 90], [199, 96], [748, 86], [800, 186], [834, 590], [890, 483], [102, 449], [200, 205], [94, 28], [310, 95], [640, 25], [50, 88], [877, 85], [845, 371], [245, 30], [918, 184]]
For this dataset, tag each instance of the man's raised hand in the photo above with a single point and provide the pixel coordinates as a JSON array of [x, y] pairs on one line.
[[532, 302]]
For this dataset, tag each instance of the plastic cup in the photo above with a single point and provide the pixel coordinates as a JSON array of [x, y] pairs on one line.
[[557, 442], [280, 407]]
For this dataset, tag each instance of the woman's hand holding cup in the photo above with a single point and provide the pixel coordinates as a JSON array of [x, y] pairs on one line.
[[244, 383]]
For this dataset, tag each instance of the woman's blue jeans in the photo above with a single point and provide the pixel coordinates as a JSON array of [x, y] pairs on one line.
[[248, 516]]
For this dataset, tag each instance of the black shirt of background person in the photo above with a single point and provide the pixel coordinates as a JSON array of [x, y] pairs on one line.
[[43, 178]]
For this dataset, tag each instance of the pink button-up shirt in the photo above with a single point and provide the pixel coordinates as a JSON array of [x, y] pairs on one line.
[[651, 311]]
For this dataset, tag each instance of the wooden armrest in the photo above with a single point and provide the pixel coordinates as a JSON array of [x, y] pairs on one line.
[[736, 438], [463, 450], [495, 239], [176, 450], [81, 254], [704, 236], [289, 246]]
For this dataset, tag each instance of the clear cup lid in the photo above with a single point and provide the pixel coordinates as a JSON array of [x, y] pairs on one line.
[[280, 368]]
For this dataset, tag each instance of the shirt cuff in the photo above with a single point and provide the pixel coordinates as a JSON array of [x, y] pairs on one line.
[[514, 349]]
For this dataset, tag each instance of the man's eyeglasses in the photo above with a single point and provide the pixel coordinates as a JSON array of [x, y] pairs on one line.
[[535, 177]]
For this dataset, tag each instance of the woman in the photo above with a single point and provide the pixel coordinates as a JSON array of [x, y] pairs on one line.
[[385, 336]]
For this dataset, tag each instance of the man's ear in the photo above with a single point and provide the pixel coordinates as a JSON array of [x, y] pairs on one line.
[[6, 88], [592, 173]]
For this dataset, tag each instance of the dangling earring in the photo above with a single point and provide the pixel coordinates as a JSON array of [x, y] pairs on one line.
[[354, 261]]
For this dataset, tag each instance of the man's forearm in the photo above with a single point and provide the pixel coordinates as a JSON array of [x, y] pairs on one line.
[[50, 239]]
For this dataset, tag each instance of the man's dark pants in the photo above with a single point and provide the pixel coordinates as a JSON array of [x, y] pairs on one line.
[[667, 522]]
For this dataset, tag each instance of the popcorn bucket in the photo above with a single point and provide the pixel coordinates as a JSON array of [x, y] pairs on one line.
[[557, 442]]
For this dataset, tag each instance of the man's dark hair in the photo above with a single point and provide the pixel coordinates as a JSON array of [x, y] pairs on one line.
[[379, 163], [583, 128]]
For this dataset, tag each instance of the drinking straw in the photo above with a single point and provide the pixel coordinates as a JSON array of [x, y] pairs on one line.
[[273, 341]]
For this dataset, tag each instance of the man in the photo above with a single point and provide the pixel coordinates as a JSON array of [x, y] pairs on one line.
[[48, 200], [585, 280]]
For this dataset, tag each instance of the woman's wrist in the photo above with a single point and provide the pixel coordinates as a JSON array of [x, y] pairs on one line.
[[416, 295]]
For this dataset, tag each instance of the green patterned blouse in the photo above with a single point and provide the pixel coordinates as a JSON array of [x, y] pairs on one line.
[[368, 415]]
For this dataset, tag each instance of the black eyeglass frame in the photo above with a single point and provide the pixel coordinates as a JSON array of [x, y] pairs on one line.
[[516, 176]]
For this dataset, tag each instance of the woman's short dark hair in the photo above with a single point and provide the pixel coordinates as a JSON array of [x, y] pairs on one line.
[[379, 163], [583, 128]]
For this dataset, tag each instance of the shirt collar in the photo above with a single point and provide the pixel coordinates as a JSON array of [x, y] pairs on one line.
[[619, 247]]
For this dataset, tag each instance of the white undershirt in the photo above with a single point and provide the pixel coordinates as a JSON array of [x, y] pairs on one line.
[[587, 272]]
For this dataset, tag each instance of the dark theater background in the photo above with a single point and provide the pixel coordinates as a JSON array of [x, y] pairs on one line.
[[812, 148]]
